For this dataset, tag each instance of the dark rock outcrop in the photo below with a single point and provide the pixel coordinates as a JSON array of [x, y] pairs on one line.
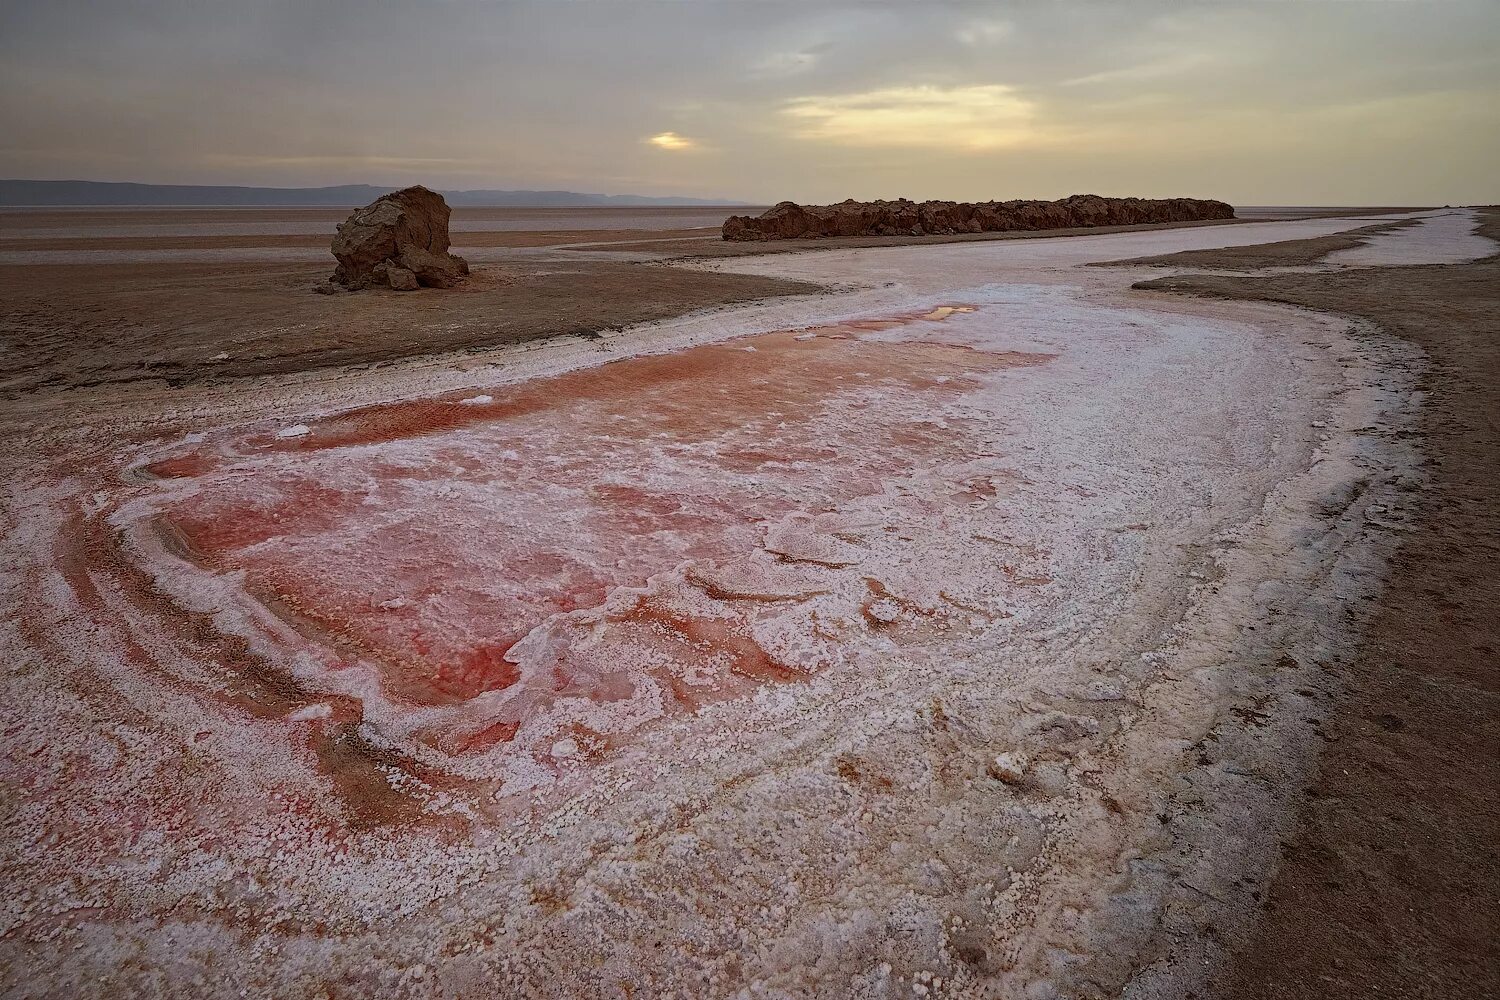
[[400, 240], [790, 221]]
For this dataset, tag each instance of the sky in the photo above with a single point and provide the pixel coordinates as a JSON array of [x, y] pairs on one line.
[[1300, 102]]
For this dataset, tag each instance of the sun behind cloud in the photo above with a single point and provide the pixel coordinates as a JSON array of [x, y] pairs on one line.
[[672, 141]]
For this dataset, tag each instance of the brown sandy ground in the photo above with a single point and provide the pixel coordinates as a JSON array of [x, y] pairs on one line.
[[1390, 885], [320, 241], [1289, 253], [326, 219], [72, 325], [633, 231], [721, 248], [69, 326], [672, 243], [1263, 213], [716, 247]]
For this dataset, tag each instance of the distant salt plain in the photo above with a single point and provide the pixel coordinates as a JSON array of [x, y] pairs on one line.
[[863, 661]]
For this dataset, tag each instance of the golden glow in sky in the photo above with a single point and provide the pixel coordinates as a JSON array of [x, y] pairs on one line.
[[671, 140]]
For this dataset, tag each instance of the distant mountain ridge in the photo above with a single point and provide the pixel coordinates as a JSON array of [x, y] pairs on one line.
[[24, 193]]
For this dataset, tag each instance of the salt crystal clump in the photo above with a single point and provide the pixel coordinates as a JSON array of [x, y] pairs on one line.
[[1011, 767]]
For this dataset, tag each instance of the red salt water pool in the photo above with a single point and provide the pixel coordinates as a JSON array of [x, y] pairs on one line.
[[645, 531]]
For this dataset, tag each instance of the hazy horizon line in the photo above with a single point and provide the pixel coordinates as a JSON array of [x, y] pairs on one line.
[[695, 200]]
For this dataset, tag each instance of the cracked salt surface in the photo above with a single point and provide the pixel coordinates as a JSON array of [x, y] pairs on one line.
[[862, 662]]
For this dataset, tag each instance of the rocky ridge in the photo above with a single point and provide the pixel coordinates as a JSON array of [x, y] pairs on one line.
[[790, 221]]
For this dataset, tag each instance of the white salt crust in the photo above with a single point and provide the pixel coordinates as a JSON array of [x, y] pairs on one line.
[[1440, 238], [1176, 516]]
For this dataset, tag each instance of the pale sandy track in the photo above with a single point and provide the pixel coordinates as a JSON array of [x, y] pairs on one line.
[[1105, 563]]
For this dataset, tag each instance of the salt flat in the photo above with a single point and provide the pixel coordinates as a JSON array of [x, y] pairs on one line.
[[929, 634]]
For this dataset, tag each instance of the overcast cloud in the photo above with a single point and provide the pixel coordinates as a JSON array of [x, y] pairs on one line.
[[1264, 103]]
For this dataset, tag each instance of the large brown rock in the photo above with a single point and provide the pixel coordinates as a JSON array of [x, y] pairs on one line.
[[400, 241], [790, 221]]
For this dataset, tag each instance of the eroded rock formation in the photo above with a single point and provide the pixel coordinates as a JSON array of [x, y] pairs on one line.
[[399, 240], [790, 221]]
